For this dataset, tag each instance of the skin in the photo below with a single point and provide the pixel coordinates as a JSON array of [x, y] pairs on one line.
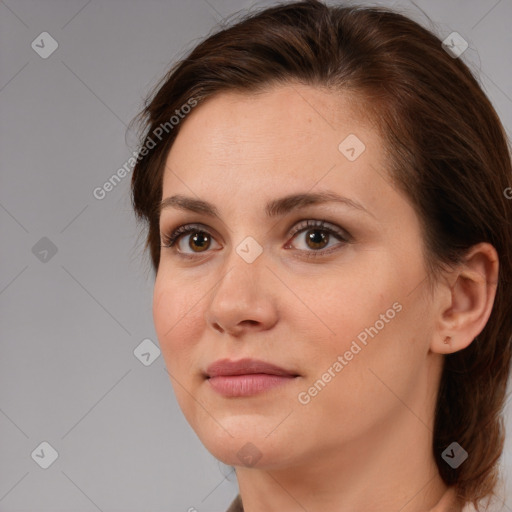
[[364, 441]]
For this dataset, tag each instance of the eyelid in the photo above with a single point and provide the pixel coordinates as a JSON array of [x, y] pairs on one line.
[[173, 235], [320, 225]]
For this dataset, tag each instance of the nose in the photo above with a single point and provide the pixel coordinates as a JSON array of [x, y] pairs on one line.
[[244, 299]]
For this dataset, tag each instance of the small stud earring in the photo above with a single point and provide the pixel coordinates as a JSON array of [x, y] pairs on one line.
[[447, 340]]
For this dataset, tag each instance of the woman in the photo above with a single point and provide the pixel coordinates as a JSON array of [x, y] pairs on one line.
[[325, 191]]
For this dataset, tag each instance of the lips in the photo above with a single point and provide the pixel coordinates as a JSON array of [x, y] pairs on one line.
[[246, 377], [226, 367]]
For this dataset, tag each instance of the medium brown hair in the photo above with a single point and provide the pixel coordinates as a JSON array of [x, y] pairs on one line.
[[448, 152]]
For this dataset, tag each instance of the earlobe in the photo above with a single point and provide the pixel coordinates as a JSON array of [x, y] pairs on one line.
[[468, 300]]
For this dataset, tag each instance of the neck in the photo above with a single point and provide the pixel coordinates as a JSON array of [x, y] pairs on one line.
[[387, 470]]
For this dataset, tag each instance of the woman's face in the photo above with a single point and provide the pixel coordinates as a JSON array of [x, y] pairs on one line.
[[343, 308]]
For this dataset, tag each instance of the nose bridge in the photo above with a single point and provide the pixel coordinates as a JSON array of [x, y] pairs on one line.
[[241, 293], [246, 255], [243, 270]]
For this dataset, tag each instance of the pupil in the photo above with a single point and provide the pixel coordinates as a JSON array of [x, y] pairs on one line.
[[315, 239], [199, 236]]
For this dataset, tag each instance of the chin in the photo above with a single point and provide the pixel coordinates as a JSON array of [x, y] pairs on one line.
[[243, 444]]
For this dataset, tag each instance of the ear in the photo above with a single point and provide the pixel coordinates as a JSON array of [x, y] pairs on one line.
[[466, 299]]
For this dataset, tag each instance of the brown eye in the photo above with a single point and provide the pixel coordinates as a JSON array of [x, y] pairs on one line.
[[317, 238], [201, 240]]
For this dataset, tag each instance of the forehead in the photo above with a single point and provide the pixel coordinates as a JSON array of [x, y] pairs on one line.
[[287, 128]]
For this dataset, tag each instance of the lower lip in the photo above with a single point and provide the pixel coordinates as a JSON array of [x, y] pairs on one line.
[[247, 385]]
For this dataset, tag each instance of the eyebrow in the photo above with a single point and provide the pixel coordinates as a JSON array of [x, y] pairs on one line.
[[274, 208]]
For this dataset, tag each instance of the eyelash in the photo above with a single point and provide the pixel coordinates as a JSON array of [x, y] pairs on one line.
[[169, 240]]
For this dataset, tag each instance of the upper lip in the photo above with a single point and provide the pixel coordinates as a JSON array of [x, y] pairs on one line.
[[244, 367]]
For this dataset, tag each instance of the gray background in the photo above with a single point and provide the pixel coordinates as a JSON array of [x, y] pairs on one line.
[[70, 321]]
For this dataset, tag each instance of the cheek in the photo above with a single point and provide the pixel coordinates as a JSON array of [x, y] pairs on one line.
[[176, 324], [353, 302], [362, 388], [176, 317], [369, 317]]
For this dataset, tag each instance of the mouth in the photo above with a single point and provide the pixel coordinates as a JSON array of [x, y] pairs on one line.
[[246, 377]]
